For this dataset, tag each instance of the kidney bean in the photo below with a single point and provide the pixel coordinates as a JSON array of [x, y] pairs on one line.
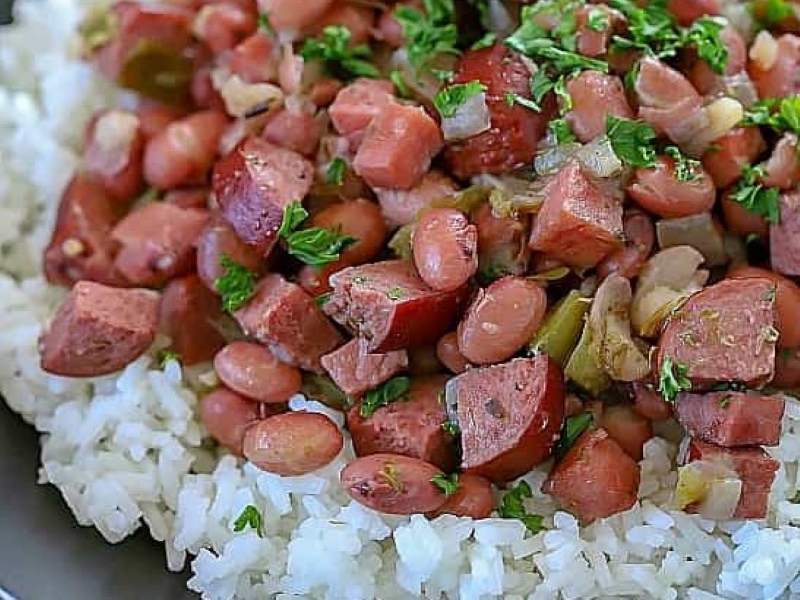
[[154, 117], [657, 190], [360, 219], [448, 353], [393, 484], [324, 91], [222, 25], [253, 371], [293, 443], [196, 197], [357, 19], [501, 319], [226, 416], [423, 360], [649, 403], [473, 498], [724, 160], [787, 303], [184, 152], [253, 59], [217, 240], [628, 428], [203, 92], [640, 236], [445, 248], [741, 221], [787, 369]]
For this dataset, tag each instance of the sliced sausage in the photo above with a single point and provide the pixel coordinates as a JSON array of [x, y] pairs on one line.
[[286, 319], [219, 239], [731, 419], [253, 371], [357, 19], [510, 416], [445, 248], [98, 330], [398, 147], [473, 498], [254, 183], [226, 416], [393, 484], [390, 306], [578, 224], [514, 134], [411, 426], [595, 479], [628, 428], [401, 207], [723, 333], [501, 319], [784, 236], [158, 242], [590, 41], [727, 155], [756, 470], [355, 370], [502, 242], [640, 237], [191, 316], [81, 246], [293, 443], [780, 80], [658, 190], [595, 95]]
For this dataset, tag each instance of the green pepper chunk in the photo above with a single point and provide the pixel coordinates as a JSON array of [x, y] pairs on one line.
[[561, 328], [158, 72], [322, 388], [584, 367], [400, 243]]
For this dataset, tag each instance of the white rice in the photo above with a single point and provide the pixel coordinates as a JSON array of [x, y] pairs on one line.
[[127, 451]]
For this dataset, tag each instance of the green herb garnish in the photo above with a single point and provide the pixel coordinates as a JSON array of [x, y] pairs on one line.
[[450, 427], [264, 23], [314, 246], [236, 286], [340, 59], [395, 293], [755, 196], [686, 169], [573, 427], [447, 483], [673, 379], [336, 171], [561, 131], [632, 141], [704, 36], [383, 395], [598, 20], [449, 99], [725, 401], [322, 298], [781, 115], [770, 13], [167, 355], [250, 517], [489, 39], [513, 507], [428, 34], [399, 81]]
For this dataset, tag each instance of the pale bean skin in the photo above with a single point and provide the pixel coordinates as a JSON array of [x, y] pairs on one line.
[[473, 498], [252, 370], [640, 237], [360, 219], [393, 484], [183, 153], [226, 416], [445, 248], [649, 403], [501, 319], [217, 240], [658, 191], [293, 443], [449, 355]]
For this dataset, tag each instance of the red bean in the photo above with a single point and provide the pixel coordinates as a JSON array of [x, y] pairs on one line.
[[649, 403], [628, 428], [787, 369], [227, 415], [640, 236], [184, 152], [360, 219], [787, 303], [393, 484], [501, 320], [154, 117], [218, 240], [292, 16], [253, 371], [448, 353], [658, 191], [252, 59], [740, 220], [445, 248], [196, 197], [423, 360], [473, 498], [357, 19], [222, 25], [293, 443], [727, 155]]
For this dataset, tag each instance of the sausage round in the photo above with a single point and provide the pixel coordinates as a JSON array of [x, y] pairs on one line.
[[501, 320], [445, 248], [393, 484], [293, 443], [227, 415], [252, 370]]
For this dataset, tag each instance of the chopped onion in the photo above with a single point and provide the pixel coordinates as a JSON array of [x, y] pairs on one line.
[[290, 70], [711, 488], [698, 231], [114, 132], [599, 158], [470, 119], [241, 98], [740, 18], [741, 88], [764, 51], [723, 115]]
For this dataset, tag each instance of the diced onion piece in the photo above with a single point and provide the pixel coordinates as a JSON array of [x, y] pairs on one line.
[[697, 231], [470, 119], [723, 114], [740, 18], [290, 70], [599, 158], [741, 88], [764, 51], [550, 159], [114, 133], [609, 319], [711, 488], [242, 98]]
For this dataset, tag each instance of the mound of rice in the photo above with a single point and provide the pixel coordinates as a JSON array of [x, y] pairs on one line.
[[127, 451]]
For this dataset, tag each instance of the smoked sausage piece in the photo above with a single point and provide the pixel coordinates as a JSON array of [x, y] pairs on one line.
[[355, 370]]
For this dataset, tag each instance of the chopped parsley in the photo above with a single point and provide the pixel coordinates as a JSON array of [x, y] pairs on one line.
[[449, 99], [755, 196], [725, 401], [598, 20], [686, 169], [781, 115], [561, 131], [250, 517], [384, 394], [769, 13], [236, 286], [336, 171], [167, 355], [322, 298], [314, 246], [447, 483], [340, 59], [511, 99], [395, 293], [428, 34], [512, 507], [673, 379], [632, 141], [573, 427], [704, 36], [264, 23], [399, 81], [450, 427], [486, 41]]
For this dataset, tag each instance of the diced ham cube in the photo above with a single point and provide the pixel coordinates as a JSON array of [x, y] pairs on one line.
[[578, 223], [410, 426], [724, 333], [357, 104], [756, 470], [510, 416], [594, 96], [355, 370], [388, 305], [398, 147], [98, 330], [595, 479], [784, 236]]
